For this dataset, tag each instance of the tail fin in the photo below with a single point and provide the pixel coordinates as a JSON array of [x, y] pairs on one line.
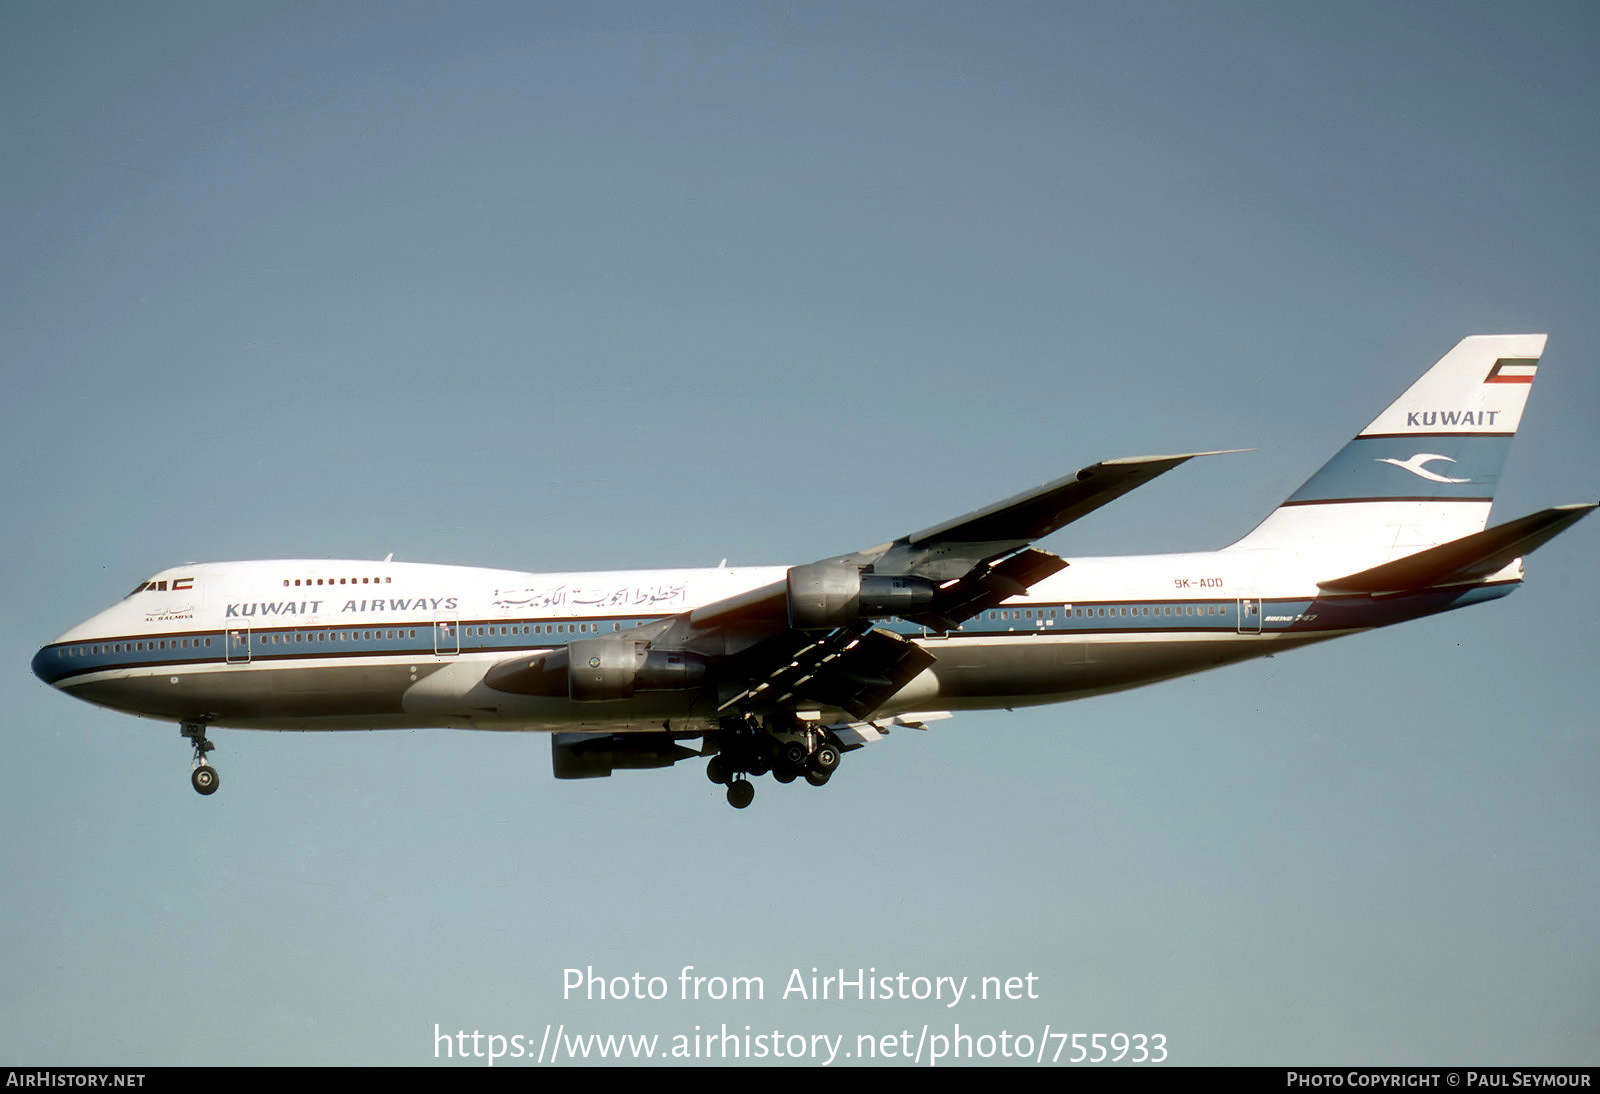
[[1424, 472]]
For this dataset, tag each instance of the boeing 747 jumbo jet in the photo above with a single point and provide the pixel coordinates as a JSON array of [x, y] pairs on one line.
[[783, 670]]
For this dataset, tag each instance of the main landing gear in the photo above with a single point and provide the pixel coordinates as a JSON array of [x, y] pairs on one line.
[[203, 777], [752, 748]]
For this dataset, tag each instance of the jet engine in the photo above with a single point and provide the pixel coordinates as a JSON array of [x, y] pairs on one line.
[[593, 670], [616, 667], [824, 595], [596, 755]]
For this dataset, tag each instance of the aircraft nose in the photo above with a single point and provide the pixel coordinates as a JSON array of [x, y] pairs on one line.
[[47, 664]]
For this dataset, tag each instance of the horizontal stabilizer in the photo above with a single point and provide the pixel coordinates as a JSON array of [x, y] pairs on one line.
[[1470, 558]]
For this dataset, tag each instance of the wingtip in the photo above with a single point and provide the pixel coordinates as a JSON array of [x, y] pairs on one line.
[[1174, 457]]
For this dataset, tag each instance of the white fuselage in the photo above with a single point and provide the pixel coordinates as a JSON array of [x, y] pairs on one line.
[[320, 644]]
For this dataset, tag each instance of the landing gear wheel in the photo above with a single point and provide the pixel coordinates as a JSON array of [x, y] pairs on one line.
[[205, 779], [784, 774], [825, 758], [741, 793], [794, 753], [818, 778], [717, 770]]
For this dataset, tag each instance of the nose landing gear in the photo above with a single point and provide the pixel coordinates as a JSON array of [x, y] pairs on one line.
[[204, 778]]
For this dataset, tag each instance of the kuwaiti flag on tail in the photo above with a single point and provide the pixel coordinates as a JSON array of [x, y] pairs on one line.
[[1424, 471], [1512, 370]]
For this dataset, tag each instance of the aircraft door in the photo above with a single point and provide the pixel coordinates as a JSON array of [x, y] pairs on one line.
[[1250, 614], [236, 645], [446, 634]]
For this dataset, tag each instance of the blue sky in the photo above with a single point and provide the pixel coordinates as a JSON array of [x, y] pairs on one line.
[[572, 286]]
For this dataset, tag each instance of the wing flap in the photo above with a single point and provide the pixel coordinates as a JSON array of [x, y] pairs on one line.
[[853, 669], [983, 589], [868, 673], [853, 735]]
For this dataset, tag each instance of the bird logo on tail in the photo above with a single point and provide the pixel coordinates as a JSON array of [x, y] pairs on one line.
[[1414, 465]]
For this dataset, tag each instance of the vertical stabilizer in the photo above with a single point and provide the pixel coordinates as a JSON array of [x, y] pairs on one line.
[[1423, 473]]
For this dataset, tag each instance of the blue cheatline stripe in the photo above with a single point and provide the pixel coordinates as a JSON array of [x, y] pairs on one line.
[[398, 639], [1409, 467], [1175, 617]]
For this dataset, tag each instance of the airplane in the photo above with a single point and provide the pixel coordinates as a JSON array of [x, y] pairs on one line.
[[782, 670]]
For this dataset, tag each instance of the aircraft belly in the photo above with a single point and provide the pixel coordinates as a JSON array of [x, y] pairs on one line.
[[456, 695], [973, 670], [983, 674], [259, 697]]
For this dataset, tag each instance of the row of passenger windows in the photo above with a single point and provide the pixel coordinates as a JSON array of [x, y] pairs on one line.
[[1103, 613], [340, 581], [537, 628], [138, 647], [328, 636], [445, 629], [1182, 609]]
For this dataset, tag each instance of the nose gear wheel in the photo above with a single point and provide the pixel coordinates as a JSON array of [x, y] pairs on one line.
[[202, 776]]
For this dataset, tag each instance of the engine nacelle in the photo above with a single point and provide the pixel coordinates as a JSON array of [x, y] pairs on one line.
[[614, 667], [596, 755], [824, 595]]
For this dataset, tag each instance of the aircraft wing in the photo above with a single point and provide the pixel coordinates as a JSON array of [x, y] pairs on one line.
[[976, 560], [1034, 514], [810, 640], [853, 669]]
